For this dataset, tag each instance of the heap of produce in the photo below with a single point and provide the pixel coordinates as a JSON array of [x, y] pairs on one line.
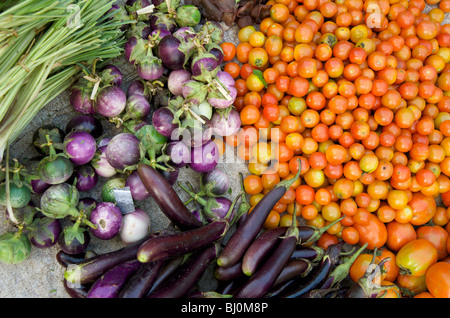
[[340, 117], [357, 93]]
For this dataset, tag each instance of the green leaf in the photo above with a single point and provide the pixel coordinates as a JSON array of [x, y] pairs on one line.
[[260, 75]]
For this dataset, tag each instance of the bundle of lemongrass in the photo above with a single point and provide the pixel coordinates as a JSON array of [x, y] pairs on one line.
[[43, 44]]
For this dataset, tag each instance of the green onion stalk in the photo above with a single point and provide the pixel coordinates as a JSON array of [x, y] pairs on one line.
[[43, 46]]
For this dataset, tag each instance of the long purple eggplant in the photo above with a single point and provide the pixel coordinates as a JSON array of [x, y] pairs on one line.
[[140, 283], [110, 283], [294, 268], [257, 252], [66, 260], [264, 278], [318, 275], [311, 253], [340, 272], [183, 242], [76, 290], [267, 241], [248, 230], [228, 273], [167, 199], [181, 283], [91, 269], [170, 267]]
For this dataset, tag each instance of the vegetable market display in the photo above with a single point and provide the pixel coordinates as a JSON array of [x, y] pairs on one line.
[[338, 110]]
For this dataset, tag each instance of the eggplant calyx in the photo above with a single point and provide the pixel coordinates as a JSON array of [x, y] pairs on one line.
[[245, 206], [342, 270]]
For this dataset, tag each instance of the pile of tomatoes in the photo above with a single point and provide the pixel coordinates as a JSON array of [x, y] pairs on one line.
[[358, 91]]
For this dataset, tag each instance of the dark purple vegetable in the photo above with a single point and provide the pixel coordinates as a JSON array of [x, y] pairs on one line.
[[264, 278], [166, 198], [86, 177], [228, 273], [139, 284], [65, 260], [137, 107], [204, 67], [204, 158], [79, 147], [160, 20], [87, 123], [170, 175], [71, 244], [76, 290], [136, 88], [158, 34], [294, 268], [317, 276], [247, 231], [139, 29], [137, 188], [262, 246], [111, 101], [81, 101], [176, 80], [340, 272], [162, 120], [179, 153], [226, 123], [89, 270], [111, 74], [110, 283], [168, 52], [189, 273], [215, 182], [44, 232], [150, 69], [216, 208], [170, 266], [38, 186], [311, 253], [176, 244], [108, 219], [218, 53], [123, 151], [129, 47]]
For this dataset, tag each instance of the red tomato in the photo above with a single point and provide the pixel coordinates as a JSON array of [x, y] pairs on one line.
[[373, 232], [437, 236], [437, 280]]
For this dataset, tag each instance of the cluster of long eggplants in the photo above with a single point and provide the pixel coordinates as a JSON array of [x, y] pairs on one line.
[[250, 263]]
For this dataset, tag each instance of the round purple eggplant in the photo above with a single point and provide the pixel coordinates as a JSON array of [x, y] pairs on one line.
[[87, 123], [204, 158], [169, 53], [45, 232], [123, 151], [138, 190], [111, 101], [80, 147], [108, 219]]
